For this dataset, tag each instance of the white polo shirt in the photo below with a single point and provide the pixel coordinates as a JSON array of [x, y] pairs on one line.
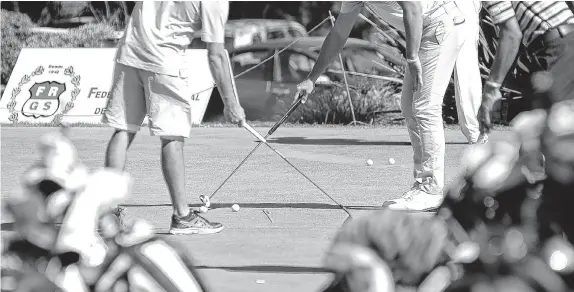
[[389, 11], [159, 32]]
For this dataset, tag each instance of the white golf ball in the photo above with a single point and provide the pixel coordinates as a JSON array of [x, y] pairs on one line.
[[235, 207], [203, 209], [369, 162], [391, 160]]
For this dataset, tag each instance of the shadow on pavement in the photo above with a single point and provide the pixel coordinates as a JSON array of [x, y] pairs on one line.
[[266, 206], [268, 269], [342, 142], [307, 141]]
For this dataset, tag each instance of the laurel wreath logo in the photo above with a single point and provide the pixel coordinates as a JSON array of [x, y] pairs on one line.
[[75, 80]]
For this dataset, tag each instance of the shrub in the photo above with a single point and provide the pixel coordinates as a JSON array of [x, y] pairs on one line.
[[17, 34], [371, 99], [15, 29], [86, 36]]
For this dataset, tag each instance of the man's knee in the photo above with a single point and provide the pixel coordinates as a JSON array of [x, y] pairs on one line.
[[428, 113], [124, 133], [169, 139]]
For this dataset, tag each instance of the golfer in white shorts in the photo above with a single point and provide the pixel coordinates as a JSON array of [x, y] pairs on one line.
[[151, 78]]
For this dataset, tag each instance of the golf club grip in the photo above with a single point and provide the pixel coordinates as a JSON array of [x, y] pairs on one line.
[[285, 116]]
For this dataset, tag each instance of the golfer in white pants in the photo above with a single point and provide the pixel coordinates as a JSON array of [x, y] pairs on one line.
[[468, 85], [435, 33]]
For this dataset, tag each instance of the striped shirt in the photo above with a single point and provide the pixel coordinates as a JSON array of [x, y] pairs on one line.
[[534, 17]]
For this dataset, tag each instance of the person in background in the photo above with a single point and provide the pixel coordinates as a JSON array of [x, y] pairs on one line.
[[435, 33], [546, 29], [151, 78], [467, 81]]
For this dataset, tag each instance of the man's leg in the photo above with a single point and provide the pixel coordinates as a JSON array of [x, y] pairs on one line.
[[125, 111], [468, 85], [439, 48], [173, 168], [170, 119], [116, 152], [412, 126]]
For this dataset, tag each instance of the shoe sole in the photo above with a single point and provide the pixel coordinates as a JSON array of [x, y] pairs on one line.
[[188, 231]]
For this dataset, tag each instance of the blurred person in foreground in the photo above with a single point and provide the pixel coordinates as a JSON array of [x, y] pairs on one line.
[[72, 256], [151, 78], [485, 237], [545, 28], [435, 33], [500, 227], [52, 211]]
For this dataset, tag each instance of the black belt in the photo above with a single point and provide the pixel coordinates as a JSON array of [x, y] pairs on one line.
[[550, 35]]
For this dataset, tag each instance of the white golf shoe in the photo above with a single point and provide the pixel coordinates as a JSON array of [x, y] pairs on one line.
[[415, 199]]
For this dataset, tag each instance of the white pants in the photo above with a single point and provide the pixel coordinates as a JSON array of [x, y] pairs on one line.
[[441, 42], [468, 85]]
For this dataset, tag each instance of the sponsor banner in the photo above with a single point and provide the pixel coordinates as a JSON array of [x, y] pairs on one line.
[[49, 86]]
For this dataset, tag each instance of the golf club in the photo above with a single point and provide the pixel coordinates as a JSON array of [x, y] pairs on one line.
[[311, 181], [205, 199], [258, 136]]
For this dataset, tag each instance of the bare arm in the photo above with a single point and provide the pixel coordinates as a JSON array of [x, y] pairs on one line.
[[334, 42], [508, 45], [220, 67], [214, 16], [413, 20]]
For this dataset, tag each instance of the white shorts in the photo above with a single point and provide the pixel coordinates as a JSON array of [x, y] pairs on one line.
[[136, 93]]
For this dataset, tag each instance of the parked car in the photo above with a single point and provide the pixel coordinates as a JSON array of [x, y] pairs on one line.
[[245, 32], [261, 88]]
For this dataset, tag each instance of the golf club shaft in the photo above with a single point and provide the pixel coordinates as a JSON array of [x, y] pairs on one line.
[[235, 170], [286, 115], [311, 181], [271, 131], [254, 133]]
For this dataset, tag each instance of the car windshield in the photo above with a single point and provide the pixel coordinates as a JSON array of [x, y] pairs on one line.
[[244, 61], [295, 66], [275, 34], [295, 33]]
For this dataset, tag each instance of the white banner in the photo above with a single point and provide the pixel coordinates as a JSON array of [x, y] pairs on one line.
[[48, 86]]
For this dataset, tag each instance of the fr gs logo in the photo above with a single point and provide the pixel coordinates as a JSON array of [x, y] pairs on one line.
[[44, 99]]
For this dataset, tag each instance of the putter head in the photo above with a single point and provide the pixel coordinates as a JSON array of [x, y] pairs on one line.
[[205, 200]]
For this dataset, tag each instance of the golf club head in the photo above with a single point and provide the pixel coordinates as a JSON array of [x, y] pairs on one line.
[[205, 200]]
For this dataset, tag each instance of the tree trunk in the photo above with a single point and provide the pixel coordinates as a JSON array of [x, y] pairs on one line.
[[107, 10], [16, 6]]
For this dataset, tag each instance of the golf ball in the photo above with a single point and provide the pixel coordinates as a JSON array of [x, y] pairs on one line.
[[203, 209], [369, 162], [391, 160], [235, 207]]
